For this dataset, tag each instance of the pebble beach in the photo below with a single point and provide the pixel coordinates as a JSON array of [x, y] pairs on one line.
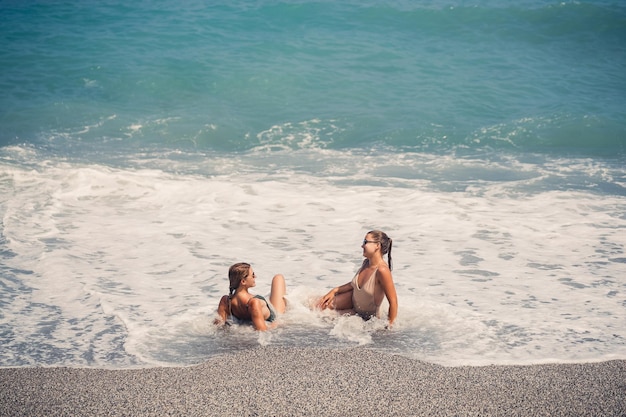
[[276, 381]]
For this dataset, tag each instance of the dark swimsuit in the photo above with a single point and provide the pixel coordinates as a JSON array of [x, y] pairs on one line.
[[270, 319], [272, 316]]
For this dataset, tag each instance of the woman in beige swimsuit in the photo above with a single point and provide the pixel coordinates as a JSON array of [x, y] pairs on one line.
[[247, 307], [372, 282]]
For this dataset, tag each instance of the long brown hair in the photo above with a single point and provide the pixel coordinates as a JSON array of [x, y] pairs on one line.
[[385, 244], [236, 274]]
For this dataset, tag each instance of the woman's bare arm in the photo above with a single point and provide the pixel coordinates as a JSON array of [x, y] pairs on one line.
[[383, 275], [327, 299], [222, 311], [255, 307]]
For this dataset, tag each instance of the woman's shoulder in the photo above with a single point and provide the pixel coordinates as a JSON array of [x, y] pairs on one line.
[[383, 270], [255, 302], [383, 266]]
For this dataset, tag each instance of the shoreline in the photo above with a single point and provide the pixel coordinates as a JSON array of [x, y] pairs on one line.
[[281, 381]]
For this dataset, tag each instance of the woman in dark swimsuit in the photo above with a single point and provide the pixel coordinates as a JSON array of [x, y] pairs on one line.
[[247, 307]]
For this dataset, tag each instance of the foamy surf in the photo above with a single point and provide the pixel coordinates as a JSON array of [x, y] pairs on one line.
[[128, 264]]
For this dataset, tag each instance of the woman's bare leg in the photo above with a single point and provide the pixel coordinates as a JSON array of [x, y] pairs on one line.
[[277, 295]]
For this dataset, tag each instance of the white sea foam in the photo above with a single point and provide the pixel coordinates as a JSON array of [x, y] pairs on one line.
[[125, 266]]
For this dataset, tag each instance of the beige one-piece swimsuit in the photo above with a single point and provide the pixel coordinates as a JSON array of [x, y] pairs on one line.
[[366, 300]]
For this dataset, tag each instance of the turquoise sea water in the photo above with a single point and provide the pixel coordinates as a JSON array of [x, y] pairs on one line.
[[535, 76], [145, 147]]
